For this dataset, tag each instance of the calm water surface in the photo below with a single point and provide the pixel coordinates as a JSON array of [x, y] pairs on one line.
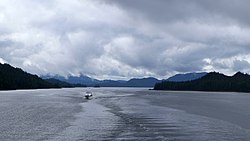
[[123, 114]]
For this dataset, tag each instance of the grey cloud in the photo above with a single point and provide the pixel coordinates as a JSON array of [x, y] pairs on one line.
[[173, 10], [125, 38], [162, 10], [241, 65]]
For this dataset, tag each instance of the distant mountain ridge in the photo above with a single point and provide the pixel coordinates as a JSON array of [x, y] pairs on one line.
[[134, 82], [213, 81], [143, 82], [82, 79], [59, 83]]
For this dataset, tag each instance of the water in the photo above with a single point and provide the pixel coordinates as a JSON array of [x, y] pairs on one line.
[[123, 114]]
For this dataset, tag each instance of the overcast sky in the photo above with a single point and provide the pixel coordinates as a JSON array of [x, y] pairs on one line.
[[121, 39]]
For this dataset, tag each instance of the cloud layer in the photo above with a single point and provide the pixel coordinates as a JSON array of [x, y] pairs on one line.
[[121, 39]]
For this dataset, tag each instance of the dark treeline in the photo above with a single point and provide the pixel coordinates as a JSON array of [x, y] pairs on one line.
[[15, 78], [211, 82]]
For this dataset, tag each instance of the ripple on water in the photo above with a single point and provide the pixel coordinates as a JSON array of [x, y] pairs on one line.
[[141, 121]]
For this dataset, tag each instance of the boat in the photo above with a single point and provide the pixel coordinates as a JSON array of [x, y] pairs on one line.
[[88, 94]]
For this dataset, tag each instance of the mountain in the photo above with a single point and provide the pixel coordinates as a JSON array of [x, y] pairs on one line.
[[79, 80], [59, 83], [213, 81], [82, 79], [143, 82], [112, 83], [186, 77], [85, 80], [63, 84], [12, 78]]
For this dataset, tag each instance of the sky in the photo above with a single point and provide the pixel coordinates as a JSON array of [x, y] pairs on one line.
[[122, 39]]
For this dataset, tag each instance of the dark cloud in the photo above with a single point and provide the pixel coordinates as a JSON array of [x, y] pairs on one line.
[[172, 10], [162, 10]]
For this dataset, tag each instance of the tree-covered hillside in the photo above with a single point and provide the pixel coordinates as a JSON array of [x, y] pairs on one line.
[[15, 78], [211, 82]]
